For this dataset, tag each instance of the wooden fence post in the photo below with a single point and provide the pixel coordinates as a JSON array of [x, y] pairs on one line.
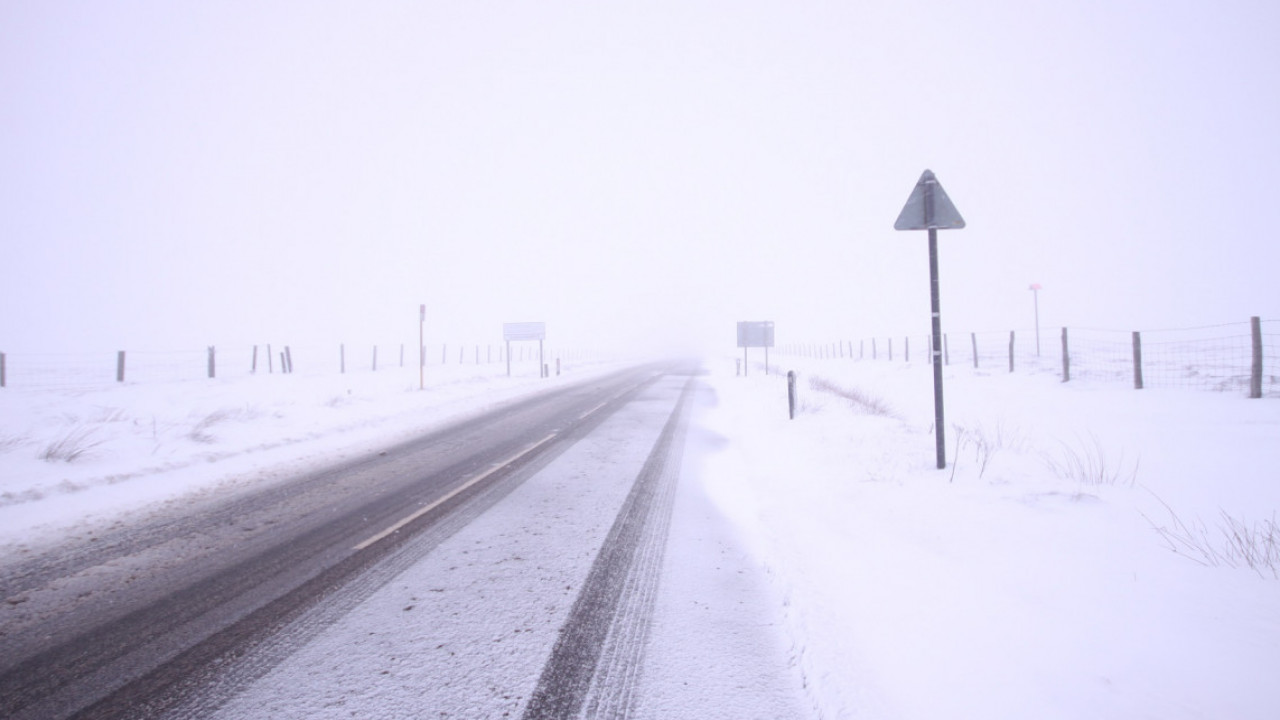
[[401, 354], [211, 366], [1255, 377], [253, 367], [288, 358], [1011, 350], [120, 366], [283, 365], [270, 366], [906, 348], [873, 348], [1066, 358], [375, 358], [890, 349], [946, 351], [974, 338], [862, 348], [342, 359], [1137, 360]]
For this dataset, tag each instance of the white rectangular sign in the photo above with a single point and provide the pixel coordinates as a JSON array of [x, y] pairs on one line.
[[524, 331], [755, 334]]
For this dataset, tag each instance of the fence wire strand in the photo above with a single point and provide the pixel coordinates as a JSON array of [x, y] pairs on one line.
[[91, 370], [1206, 357]]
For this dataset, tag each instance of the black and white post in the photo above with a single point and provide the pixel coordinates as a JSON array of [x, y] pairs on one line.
[[929, 208]]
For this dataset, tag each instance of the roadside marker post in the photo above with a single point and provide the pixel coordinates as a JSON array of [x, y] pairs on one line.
[[791, 394], [929, 208]]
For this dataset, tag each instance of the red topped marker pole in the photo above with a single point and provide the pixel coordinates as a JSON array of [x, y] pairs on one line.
[[929, 208]]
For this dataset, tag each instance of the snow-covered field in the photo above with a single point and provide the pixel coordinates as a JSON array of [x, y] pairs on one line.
[[1031, 578], [1028, 579]]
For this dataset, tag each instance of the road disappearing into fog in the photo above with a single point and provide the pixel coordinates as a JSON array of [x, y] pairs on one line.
[[180, 617]]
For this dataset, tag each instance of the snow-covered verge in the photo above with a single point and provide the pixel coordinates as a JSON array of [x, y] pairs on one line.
[[75, 460], [1034, 576]]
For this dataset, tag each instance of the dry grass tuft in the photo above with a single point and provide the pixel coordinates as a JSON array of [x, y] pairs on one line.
[[1232, 543], [72, 446], [863, 401]]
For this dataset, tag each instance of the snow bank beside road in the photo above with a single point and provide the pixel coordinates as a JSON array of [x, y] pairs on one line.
[[1016, 587]]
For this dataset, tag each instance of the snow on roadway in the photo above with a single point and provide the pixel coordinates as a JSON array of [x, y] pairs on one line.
[[1010, 585], [717, 646], [464, 632]]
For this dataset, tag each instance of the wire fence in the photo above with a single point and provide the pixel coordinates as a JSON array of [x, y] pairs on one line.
[[1239, 357], [71, 371]]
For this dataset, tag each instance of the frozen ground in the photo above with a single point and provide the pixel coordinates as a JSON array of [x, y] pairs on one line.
[[1030, 579]]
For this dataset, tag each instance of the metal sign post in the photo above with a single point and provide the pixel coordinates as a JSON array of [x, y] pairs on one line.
[[929, 208]]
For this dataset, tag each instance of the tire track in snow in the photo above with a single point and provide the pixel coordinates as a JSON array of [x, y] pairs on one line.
[[173, 661], [594, 667]]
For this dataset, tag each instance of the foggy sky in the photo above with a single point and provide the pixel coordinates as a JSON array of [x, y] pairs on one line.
[[180, 174]]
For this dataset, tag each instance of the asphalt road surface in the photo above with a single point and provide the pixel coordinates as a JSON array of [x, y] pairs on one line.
[[181, 614]]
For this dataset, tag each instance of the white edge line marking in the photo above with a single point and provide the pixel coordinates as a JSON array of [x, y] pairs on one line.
[[424, 510], [592, 411]]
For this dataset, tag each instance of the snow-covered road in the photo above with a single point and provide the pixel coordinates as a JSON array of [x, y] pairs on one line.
[[529, 610], [536, 585]]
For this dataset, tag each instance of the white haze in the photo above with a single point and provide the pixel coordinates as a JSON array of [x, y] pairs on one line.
[[180, 174]]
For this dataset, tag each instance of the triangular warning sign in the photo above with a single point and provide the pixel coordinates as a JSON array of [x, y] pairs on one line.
[[929, 207]]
